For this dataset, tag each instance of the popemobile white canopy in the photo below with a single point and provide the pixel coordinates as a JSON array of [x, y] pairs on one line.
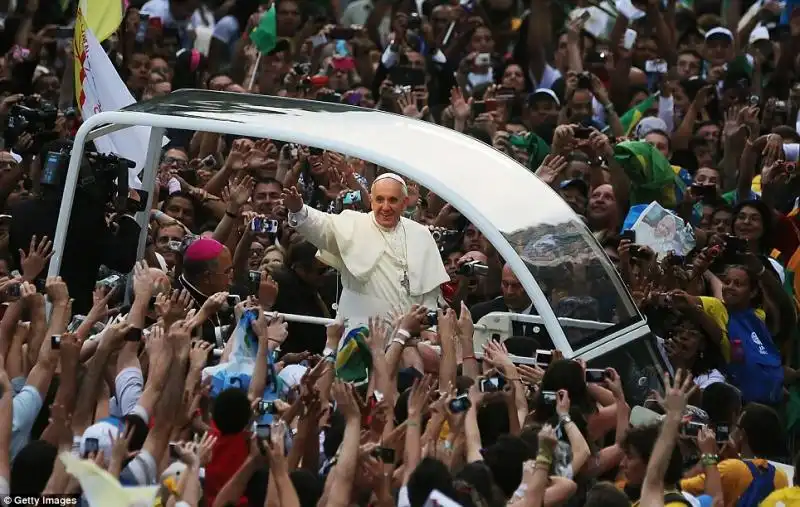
[[547, 245]]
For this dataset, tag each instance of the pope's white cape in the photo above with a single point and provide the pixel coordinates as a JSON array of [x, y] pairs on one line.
[[103, 90], [101, 489]]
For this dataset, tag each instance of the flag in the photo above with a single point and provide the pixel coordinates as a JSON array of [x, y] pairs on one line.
[[102, 16], [265, 35], [354, 359], [99, 88], [649, 172], [634, 115]]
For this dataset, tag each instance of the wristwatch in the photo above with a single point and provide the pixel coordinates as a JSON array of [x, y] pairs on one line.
[[564, 419]]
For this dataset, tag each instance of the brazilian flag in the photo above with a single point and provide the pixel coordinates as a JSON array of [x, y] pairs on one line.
[[354, 359], [634, 115]]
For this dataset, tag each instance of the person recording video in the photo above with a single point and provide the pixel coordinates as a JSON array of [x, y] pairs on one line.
[[95, 236]]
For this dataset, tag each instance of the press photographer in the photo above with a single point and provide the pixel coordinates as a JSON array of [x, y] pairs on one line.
[[102, 229], [31, 115]]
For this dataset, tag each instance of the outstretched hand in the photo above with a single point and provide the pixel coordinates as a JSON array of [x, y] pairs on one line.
[[292, 199]]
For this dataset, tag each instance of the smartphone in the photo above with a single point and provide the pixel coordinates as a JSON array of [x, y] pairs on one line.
[[505, 93], [174, 245], [64, 32], [483, 60], [585, 80], [432, 318], [656, 67], [91, 445], [478, 108], [13, 291], [595, 375], [459, 404], [691, 428], [492, 384], [351, 197], [173, 451], [263, 225], [385, 454], [581, 132], [377, 396], [265, 407], [630, 38], [134, 335], [55, 342], [414, 21], [491, 105], [549, 397], [406, 76], [628, 234], [233, 300], [705, 191], [734, 244], [543, 358], [723, 432], [254, 281], [341, 33], [333, 97]]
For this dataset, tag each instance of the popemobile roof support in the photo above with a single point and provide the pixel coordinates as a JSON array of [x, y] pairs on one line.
[[532, 228]]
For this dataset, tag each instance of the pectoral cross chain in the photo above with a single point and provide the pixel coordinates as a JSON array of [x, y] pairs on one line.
[[405, 283]]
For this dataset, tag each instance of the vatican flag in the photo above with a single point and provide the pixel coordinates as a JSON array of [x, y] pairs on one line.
[[102, 16]]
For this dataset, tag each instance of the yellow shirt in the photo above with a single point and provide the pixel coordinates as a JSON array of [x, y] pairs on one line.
[[736, 478], [786, 497], [715, 309]]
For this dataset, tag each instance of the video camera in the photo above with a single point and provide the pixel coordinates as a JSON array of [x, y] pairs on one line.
[[104, 178], [32, 116]]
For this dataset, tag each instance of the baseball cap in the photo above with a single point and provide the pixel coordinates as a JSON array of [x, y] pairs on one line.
[[719, 32], [759, 33], [580, 184], [544, 92], [649, 124]]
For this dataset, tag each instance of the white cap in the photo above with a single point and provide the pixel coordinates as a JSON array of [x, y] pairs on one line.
[[17, 158], [759, 33], [720, 30], [547, 91], [395, 177]]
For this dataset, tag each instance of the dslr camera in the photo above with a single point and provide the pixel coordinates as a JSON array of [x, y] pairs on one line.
[[33, 116]]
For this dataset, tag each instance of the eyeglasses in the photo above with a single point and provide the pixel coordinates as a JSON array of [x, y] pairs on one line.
[[174, 161]]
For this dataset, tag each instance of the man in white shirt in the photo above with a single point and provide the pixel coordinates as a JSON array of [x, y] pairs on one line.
[[386, 261]]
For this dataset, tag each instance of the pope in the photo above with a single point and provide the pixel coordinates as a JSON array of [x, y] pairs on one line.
[[386, 261]]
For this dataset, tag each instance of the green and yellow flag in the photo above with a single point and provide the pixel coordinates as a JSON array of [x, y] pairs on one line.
[[265, 35], [634, 115]]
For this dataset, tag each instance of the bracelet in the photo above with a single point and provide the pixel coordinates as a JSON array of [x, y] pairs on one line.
[[545, 454], [398, 340], [471, 356], [228, 213], [403, 332], [411, 424], [543, 462], [709, 460]]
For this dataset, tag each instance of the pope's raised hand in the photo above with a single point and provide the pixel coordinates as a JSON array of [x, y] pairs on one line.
[[292, 199]]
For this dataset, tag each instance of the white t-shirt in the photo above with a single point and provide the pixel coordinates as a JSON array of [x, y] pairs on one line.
[[549, 77]]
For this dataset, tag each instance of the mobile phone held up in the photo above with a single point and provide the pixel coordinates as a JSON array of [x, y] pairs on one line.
[[263, 225], [492, 384], [385, 454], [595, 376], [401, 75], [543, 358], [459, 404]]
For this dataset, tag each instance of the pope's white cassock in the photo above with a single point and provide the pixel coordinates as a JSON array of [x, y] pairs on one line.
[[381, 269]]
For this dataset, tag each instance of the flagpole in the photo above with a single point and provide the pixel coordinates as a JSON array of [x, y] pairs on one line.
[[255, 70]]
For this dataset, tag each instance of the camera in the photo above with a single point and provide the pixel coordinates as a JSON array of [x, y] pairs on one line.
[[102, 177], [32, 116], [302, 69], [432, 318], [459, 404], [385, 454], [595, 376], [442, 234], [265, 407], [351, 198], [492, 384], [585, 80], [472, 268], [262, 225], [254, 281], [549, 397]]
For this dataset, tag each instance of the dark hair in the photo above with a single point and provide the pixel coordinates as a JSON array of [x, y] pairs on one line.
[[301, 254], [31, 468], [269, 181], [479, 476], [564, 374], [722, 402], [753, 281], [430, 474], [524, 346], [184, 75], [767, 222], [505, 458], [308, 487], [642, 440], [231, 411], [765, 431], [177, 195], [691, 52], [605, 494], [215, 76]]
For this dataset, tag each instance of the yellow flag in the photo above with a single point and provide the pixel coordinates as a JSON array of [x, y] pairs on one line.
[[79, 56], [102, 16]]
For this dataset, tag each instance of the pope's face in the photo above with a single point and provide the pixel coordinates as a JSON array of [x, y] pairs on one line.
[[388, 202]]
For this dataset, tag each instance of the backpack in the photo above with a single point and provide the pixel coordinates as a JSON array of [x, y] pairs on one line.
[[760, 487], [755, 366]]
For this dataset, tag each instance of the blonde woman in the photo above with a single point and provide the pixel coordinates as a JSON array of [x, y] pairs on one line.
[[273, 259]]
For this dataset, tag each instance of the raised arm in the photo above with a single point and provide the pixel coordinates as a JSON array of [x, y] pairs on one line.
[[312, 224]]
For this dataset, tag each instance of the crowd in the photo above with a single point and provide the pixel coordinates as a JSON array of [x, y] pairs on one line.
[[672, 129]]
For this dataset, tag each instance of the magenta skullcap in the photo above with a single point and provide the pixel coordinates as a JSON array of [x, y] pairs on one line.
[[204, 249]]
